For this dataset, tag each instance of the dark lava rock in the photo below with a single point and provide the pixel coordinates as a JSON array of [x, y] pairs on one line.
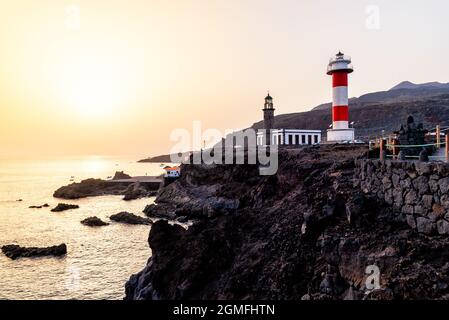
[[182, 219], [423, 156], [90, 188], [46, 205], [160, 211], [129, 218], [137, 191], [256, 250], [64, 206], [94, 222], [119, 175], [15, 251]]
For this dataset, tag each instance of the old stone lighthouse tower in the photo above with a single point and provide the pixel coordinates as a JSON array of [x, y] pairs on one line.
[[268, 118]]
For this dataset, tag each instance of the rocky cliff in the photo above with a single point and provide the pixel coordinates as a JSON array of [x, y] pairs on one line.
[[304, 233]]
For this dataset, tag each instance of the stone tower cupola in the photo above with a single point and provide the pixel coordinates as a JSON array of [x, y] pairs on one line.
[[268, 118]]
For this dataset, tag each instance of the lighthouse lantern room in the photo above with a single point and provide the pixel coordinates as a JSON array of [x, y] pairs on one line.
[[339, 67]]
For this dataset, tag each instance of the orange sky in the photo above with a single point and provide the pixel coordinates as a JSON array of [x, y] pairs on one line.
[[120, 76]]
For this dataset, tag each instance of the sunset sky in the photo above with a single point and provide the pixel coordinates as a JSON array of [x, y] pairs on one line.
[[109, 77]]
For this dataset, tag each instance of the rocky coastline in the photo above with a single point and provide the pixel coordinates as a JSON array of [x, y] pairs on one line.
[[99, 187], [305, 233]]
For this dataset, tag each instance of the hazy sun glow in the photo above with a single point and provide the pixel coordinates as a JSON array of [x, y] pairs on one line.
[[116, 77], [90, 85]]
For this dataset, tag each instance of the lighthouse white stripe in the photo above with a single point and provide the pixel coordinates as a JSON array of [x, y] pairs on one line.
[[340, 96], [340, 125]]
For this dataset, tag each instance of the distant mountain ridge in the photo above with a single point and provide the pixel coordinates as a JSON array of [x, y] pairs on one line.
[[402, 92], [373, 112], [427, 85]]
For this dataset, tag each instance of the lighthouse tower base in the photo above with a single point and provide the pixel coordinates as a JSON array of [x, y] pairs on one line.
[[340, 135]]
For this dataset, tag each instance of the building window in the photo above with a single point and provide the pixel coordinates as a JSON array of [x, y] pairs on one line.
[[316, 138], [296, 138], [303, 139], [279, 139], [309, 139]]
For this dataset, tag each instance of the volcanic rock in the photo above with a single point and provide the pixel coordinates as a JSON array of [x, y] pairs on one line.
[[164, 211], [119, 175], [253, 248], [136, 191], [129, 218], [14, 251], [94, 222], [182, 219], [64, 206], [39, 207], [90, 188]]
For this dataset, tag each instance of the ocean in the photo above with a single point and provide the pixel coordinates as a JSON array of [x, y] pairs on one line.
[[99, 260]]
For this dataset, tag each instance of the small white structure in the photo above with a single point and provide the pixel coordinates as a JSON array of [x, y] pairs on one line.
[[172, 172], [291, 137]]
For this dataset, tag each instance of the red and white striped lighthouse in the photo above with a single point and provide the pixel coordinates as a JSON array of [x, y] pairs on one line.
[[339, 67]]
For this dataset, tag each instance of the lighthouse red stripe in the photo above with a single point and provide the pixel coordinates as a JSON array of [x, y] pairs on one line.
[[340, 113], [340, 79]]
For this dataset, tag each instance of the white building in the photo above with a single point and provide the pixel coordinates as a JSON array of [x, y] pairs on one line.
[[291, 137], [283, 136], [172, 172]]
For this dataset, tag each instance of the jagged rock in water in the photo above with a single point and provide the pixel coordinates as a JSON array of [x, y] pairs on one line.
[[129, 218], [14, 251], [46, 205], [64, 206], [182, 219], [94, 222], [119, 175], [136, 191], [423, 156]]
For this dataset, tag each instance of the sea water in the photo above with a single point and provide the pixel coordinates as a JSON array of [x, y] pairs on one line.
[[99, 259]]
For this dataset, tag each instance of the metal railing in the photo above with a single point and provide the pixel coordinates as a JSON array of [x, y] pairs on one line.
[[332, 67], [383, 145], [343, 58]]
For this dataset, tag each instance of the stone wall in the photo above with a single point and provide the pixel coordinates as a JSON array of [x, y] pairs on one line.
[[417, 190]]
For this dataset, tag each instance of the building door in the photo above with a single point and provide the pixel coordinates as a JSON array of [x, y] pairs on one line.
[[309, 139], [296, 138]]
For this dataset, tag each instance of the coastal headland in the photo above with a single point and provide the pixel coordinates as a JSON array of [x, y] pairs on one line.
[[309, 232], [130, 187]]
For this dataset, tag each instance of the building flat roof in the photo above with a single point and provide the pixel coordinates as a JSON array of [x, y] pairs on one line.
[[291, 131]]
